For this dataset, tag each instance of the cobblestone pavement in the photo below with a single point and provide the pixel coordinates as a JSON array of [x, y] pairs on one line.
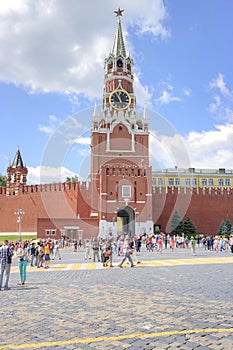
[[169, 306]]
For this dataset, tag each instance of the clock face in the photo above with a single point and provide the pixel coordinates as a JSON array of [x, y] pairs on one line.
[[119, 99]]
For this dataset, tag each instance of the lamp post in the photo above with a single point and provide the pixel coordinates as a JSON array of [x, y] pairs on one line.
[[19, 214]]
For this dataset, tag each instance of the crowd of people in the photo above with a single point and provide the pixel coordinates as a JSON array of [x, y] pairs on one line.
[[103, 249], [39, 253]]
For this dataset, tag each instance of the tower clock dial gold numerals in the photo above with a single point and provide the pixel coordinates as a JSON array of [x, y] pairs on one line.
[[119, 99]]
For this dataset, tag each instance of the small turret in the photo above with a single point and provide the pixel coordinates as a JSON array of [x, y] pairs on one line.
[[18, 171]]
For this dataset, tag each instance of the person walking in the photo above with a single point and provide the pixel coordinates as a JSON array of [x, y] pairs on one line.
[[231, 243], [107, 253], [56, 251], [193, 245], [172, 243], [95, 248], [22, 255], [6, 254], [40, 255], [160, 244], [33, 255], [47, 252], [127, 251], [87, 250]]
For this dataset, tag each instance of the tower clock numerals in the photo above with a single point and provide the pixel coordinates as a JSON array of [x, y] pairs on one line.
[[119, 99]]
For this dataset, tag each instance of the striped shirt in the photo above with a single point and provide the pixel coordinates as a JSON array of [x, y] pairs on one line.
[[5, 251]]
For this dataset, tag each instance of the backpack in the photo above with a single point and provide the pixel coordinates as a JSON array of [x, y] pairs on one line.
[[36, 251], [9, 256]]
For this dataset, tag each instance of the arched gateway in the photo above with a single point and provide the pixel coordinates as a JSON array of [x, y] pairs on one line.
[[127, 220]]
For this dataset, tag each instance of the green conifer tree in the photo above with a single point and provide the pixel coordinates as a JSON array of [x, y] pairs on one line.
[[221, 228], [176, 224], [189, 227], [228, 225]]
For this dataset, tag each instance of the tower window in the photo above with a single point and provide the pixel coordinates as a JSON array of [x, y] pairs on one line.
[[119, 64]]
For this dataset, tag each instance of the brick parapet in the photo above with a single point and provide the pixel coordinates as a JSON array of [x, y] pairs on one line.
[[52, 187]]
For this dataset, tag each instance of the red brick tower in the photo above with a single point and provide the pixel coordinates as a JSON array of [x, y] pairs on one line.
[[121, 175], [16, 176]]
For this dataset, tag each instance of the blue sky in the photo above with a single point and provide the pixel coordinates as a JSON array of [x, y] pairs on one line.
[[52, 58]]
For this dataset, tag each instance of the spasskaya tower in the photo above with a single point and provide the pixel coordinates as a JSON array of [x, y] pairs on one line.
[[120, 170]]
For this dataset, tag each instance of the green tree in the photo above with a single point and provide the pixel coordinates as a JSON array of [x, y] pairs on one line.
[[228, 225], [224, 230], [72, 179], [176, 224], [2, 180], [221, 228], [231, 230], [189, 227]]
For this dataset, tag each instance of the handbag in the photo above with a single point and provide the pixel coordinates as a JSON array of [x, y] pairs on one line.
[[28, 258]]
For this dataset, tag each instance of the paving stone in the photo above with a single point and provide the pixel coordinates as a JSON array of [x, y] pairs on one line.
[[86, 304]]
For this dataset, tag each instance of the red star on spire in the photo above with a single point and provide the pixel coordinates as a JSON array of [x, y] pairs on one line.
[[119, 12]]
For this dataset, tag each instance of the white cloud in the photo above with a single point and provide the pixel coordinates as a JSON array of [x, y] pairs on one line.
[[187, 92], [60, 46], [208, 149], [49, 129], [167, 94], [148, 17], [83, 141], [219, 83], [167, 97], [42, 174], [222, 106], [211, 149], [9, 6]]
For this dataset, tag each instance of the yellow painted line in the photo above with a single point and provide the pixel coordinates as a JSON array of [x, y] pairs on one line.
[[57, 267], [91, 266], [159, 263], [193, 261], [117, 337], [76, 267]]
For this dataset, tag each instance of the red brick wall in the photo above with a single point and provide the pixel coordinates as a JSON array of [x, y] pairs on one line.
[[50, 200], [89, 227], [206, 210]]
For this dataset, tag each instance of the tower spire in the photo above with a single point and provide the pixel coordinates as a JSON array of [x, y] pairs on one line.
[[18, 162], [118, 44]]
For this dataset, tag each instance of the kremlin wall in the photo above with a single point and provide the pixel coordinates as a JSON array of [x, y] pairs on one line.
[[52, 210]]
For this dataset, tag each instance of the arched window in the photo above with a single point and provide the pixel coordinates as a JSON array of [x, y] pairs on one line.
[[119, 63]]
